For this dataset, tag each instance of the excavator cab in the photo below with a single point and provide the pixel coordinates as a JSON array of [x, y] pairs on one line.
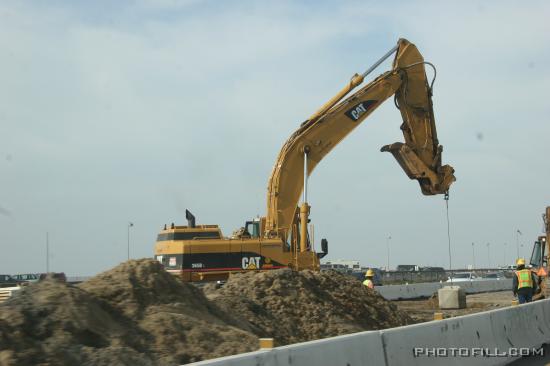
[[252, 228]]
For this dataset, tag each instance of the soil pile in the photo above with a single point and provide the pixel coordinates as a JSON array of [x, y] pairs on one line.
[[138, 314], [300, 306], [53, 323], [134, 314]]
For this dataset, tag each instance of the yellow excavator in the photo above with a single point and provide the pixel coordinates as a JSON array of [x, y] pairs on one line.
[[539, 257], [281, 238]]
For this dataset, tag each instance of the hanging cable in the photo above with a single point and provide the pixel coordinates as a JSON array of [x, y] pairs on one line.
[[449, 235]]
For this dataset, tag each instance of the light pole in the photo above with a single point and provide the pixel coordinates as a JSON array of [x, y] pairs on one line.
[[47, 252], [473, 256], [388, 248], [489, 253], [505, 254], [129, 226], [518, 233]]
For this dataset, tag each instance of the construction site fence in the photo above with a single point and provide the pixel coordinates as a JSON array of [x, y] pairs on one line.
[[396, 277], [425, 290]]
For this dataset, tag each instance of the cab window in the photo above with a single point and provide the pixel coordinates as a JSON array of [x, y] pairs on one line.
[[253, 228]]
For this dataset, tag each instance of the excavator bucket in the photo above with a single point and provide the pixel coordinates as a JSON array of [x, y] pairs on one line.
[[420, 155], [431, 181]]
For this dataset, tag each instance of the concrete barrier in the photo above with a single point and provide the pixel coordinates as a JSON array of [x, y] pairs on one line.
[[420, 290], [465, 340], [433, 341], [363, 348]]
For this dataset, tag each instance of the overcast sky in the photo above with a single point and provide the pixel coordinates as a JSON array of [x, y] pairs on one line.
[[118, 111]]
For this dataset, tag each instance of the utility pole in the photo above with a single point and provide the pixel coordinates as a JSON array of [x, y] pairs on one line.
[[473, 256], [504, 253], [489, 253], [129, 226], [388, 248], [47, 252]]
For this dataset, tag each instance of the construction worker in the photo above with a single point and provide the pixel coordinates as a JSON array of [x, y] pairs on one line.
[[525, 283], [369, 279]]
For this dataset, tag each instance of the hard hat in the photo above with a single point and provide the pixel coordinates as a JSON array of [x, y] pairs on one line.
[[520, 262], [370, 273]]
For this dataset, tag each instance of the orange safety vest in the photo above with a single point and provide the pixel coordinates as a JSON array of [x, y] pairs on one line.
[[368, 283], [524, 278]]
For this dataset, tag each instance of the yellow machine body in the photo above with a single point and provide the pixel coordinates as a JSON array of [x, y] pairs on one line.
[[281, 238], [202, 253]]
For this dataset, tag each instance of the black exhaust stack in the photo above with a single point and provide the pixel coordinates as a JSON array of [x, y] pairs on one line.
[[190, 218], [324, 248]]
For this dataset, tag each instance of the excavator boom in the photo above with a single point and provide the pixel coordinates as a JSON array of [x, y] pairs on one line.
[[419, 156]]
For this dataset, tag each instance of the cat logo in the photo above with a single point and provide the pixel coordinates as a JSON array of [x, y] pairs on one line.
[[360, 109], [251, 262]]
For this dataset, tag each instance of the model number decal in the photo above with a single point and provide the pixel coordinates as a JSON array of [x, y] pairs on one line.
[[197, 265], [360, 109]]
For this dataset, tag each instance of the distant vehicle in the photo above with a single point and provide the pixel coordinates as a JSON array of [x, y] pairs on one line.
[[407, 268], [7, 281], [463, 277], [351, 265], [508, 268], [27, 277], [494, 276], [334, 267], [432, 269], [56, 275]]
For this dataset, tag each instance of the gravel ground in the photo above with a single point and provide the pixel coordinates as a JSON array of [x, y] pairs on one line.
[[423, 310]]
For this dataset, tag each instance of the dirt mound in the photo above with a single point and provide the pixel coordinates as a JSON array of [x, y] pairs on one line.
[[53, 323], [138, 314], [300, 306], [136, 285], [134, 314], [184, 326]]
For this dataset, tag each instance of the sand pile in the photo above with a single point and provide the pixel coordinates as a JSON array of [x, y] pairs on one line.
[[134, 314], [138, 314], [300, 306], [53, 323]]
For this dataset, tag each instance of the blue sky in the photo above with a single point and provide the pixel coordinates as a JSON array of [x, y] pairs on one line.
[[134, 111]]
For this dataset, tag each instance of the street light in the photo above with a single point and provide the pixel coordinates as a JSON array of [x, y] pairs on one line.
[[504, 253], [489, 253], [388, 247], [130, 224], [47, 252], [518, 233], [473, 256]]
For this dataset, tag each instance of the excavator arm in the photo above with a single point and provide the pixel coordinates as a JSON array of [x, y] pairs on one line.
[[419, 156]]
